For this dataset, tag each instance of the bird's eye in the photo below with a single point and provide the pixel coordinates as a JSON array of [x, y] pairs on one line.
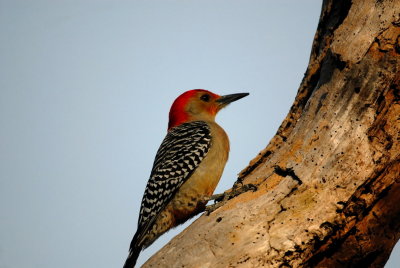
[[205, 97]]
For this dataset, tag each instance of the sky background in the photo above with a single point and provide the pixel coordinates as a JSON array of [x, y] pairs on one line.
[[85, 90]]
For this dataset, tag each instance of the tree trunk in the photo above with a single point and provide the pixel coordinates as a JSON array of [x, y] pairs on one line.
[[329, 181]]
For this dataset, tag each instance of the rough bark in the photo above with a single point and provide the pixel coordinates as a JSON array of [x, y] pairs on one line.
[[329, 181]]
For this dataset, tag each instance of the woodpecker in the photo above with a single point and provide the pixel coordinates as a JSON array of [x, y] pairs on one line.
[[186, 169]]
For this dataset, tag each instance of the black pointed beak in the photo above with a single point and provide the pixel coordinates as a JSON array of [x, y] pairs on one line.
[[226, 99]]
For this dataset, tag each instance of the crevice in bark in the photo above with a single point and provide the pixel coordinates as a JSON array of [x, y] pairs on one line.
[[331, 62], [287, 172]]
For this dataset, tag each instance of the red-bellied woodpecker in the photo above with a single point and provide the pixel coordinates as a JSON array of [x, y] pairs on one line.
[[187, 167]]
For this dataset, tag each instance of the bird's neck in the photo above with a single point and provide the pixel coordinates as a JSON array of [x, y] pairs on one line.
[[182, 118]]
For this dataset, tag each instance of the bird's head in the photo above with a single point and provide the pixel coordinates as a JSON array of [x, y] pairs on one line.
[[199, 104]]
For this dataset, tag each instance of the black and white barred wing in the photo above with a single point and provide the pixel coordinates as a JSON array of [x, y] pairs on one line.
[[182, 150]]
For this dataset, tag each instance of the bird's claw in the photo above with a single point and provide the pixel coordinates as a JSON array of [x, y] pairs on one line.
[[221, 199]]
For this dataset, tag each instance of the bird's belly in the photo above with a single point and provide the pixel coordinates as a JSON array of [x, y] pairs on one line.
[[191, 198]]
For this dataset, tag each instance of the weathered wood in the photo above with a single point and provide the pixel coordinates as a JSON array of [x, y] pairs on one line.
[[329, 181]]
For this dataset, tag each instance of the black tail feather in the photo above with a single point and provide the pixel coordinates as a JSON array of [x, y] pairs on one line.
[[132, 257], [138, 243]]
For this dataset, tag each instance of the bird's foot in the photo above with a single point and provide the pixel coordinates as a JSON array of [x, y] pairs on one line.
[[221, 199]]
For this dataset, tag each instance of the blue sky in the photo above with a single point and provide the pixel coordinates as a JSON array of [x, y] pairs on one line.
[[85, 89]]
